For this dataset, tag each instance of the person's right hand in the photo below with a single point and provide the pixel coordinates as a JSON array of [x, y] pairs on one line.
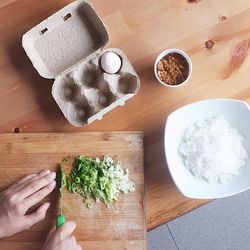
[[61, 238]]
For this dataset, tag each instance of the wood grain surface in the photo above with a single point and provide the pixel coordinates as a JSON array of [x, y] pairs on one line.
[[142, 29], [122, 226]]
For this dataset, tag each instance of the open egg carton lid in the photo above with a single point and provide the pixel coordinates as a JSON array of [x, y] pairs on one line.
[[65, 39], [67, 46]]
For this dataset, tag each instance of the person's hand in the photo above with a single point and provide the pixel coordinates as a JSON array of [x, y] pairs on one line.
[[61, 238], [21, 196]]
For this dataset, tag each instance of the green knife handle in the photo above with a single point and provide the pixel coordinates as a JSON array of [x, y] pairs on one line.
[[60, 221]]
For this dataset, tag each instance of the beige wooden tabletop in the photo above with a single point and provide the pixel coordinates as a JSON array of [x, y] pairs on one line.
[[142, 29]]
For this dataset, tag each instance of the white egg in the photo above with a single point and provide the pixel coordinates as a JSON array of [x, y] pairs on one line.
[[111, 62]]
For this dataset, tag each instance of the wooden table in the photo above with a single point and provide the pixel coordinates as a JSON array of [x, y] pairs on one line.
[[142, 29]]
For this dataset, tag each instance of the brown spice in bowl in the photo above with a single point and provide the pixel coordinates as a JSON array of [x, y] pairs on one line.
[[173, 69]]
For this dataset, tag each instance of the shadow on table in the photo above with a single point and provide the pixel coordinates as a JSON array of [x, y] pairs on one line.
[[156, 168], [40, 86]]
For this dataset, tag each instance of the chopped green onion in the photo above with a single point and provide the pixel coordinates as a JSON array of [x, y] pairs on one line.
[[77, 180], [101, 179]]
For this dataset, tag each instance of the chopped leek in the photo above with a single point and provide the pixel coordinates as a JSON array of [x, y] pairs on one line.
[[101, 179]]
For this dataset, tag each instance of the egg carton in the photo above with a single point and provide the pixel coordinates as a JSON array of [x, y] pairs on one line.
[[68, 46]]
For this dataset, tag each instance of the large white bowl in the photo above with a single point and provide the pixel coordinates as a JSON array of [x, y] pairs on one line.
[[238, 114]]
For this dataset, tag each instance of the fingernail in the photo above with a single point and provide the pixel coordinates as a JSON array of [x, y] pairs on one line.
[[53, 175], [72, 223], [45, 172], [53, 184]]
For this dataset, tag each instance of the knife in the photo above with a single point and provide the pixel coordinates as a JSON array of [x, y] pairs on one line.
[[60, 217]]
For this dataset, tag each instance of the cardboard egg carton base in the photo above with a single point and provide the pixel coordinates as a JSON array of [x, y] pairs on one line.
[[86, 92], [68, 46]]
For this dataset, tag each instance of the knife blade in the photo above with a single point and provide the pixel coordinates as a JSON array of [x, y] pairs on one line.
[[61, 217]]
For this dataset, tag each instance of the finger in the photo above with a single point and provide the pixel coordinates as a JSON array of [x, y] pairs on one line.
[[22, 180], [39, 195], [34, 178], [50, 235], [36, 185], [70, 242], [14, 187], [79, 247], [64, 231], [37, 216]]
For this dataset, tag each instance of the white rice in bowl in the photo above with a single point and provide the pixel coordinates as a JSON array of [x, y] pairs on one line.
[[213, 150]]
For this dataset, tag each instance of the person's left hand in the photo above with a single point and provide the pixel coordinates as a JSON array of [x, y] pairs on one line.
[[16, 200]]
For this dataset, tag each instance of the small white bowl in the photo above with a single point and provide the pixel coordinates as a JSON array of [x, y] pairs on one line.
[[237, 113], [166, 52]]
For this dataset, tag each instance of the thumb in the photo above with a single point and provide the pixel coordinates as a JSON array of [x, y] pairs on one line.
[[49, 235], [64, 231], [38, 215]]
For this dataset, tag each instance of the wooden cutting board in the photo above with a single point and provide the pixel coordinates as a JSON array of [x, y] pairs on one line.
[[120, 227]]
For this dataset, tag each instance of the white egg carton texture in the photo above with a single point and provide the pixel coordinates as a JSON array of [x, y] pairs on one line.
[[68, 46]]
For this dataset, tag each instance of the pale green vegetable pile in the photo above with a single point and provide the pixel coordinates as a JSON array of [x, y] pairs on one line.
[[100, 179]]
